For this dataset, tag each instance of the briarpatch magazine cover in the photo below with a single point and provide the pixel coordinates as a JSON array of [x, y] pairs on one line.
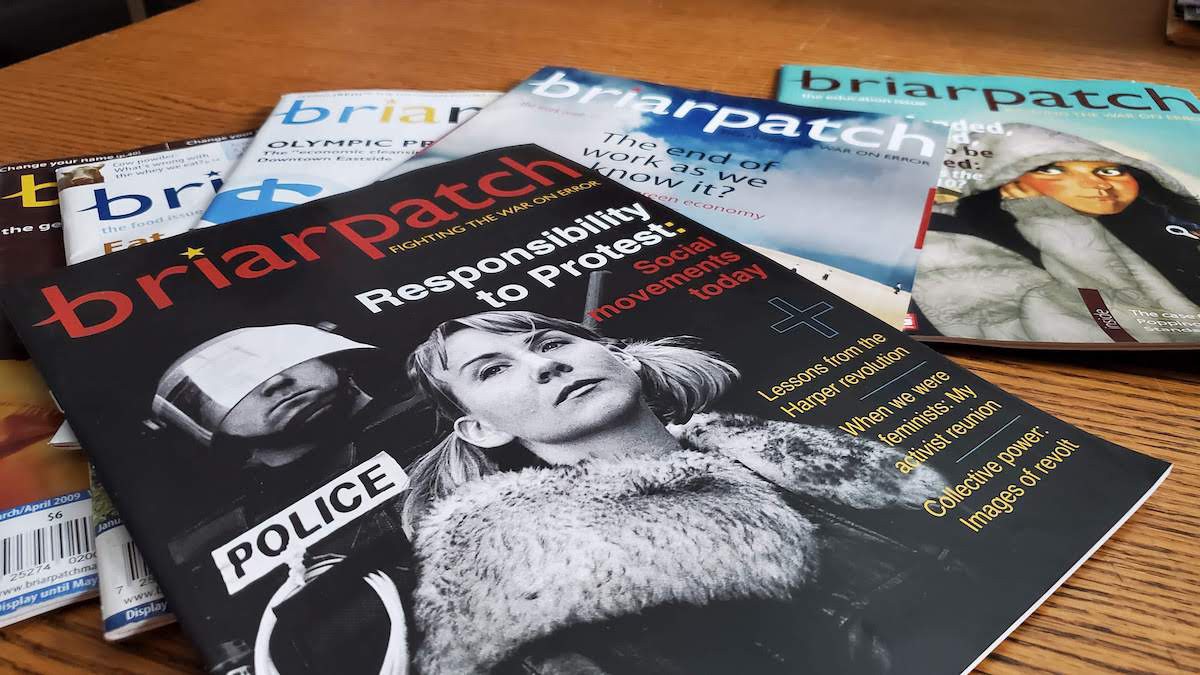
[[506, 415], [111, 206], [47, 555], [114, 205], [840, 197], [319, 143], [1067, 213]]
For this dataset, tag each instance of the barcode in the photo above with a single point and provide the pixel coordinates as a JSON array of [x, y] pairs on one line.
[[46, 544], [135, 566]]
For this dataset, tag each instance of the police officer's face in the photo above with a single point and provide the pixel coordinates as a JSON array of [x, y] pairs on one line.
[[304, 393]]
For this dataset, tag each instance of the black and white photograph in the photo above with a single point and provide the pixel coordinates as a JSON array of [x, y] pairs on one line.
[[482, 454]]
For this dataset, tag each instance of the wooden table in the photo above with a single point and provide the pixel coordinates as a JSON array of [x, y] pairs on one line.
[[220, 65]]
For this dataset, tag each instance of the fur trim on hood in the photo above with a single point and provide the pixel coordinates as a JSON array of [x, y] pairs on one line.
[[513, 557], [1079, 251], [814, 461], [1025, 147], [970, 287]]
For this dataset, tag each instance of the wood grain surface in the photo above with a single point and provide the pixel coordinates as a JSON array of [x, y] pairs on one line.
[[220, 65]]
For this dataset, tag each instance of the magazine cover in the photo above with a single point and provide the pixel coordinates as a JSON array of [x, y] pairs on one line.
[[319, 143], [1067, 213], [839, 197], [46, 548], [47, 555], [111, 206], [455, 418], [130, 600]]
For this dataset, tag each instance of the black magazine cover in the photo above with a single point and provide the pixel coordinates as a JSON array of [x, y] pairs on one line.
[[505, 415]]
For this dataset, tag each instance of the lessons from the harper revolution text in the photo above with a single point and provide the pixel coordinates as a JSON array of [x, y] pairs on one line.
[[992, 454]]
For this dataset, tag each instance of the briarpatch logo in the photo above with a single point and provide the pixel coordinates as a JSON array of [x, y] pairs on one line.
[[370, 234], [299, 113], [103, 205], [893, 135], [28, 194]]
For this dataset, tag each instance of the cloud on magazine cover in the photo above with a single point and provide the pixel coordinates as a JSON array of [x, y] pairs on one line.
[[818, 204]]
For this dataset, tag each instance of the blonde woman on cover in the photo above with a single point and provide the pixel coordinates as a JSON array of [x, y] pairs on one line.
[[563, 526]]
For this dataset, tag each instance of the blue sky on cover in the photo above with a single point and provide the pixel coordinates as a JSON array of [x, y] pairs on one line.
[[850, 212], [888, 260]]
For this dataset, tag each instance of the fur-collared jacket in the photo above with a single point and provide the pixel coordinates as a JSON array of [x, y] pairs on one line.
[[1013, 270], [516, 557]]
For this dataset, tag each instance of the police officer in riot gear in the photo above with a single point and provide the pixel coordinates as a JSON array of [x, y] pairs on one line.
[[283, 401], [263, 387]]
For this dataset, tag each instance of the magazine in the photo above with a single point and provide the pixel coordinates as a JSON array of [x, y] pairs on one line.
[[709, 466], [110, 206], [839, 197], [114, 205], [46, 548], [1067, 214], [319, 143], [130, 600]]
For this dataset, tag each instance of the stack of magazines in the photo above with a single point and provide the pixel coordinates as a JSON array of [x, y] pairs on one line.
[[598, 375]]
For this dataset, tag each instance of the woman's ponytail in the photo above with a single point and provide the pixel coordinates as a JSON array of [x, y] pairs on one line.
[[438, 472], [679, 380]]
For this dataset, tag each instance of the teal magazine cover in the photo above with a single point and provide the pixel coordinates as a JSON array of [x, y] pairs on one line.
[[839, 197], [1067, 212]]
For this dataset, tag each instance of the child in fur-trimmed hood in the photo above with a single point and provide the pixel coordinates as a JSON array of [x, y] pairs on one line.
[[1053, 213]]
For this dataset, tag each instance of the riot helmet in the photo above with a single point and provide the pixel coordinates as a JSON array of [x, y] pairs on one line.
[[200, 388]]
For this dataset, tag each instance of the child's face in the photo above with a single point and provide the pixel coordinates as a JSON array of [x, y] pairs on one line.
[[1094, 188]]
